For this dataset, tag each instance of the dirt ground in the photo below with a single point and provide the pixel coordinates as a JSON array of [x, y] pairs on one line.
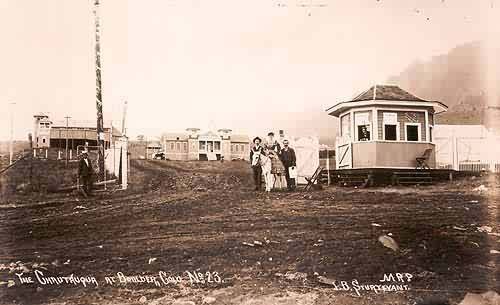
[[250, 248]]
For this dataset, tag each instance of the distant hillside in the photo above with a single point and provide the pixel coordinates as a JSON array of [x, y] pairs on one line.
[[456, 79]]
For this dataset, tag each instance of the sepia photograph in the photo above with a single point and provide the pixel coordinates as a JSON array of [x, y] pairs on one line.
[[250, 152]]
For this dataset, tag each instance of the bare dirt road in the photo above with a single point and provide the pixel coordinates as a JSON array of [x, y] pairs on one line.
[[204, 219]]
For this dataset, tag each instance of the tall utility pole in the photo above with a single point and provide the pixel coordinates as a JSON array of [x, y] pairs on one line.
[[67, 132], [11, 145], [100, 121]]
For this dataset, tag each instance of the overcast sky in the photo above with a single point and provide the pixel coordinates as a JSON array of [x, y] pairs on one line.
[[216, 63]]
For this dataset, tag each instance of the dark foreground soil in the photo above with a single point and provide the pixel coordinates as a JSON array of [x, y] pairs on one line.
[[249, 248]]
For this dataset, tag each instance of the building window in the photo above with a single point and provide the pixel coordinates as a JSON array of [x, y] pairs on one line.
[[202, 145], [178, 146], [217, 145], [43, 140], [185, 146], [412, 132], [172, 146], [430, 133], [236, 147], [345, 126], [390, 132], [242, 148], [232, 147], [364, 132], [363, 126], [390, 124]]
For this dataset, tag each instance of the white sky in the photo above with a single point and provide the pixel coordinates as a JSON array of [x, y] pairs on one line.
[[226, 63]]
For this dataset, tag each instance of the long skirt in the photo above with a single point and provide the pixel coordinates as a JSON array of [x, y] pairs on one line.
[[277, 167]]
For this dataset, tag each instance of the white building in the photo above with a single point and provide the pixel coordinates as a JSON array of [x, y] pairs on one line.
[[209, 145]]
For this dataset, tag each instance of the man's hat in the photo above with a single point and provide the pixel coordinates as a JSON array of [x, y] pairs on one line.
[[256, 138], [270, 133], [85, 152]]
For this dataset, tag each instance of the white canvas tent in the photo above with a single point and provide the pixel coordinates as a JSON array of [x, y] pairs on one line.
[[307, 153], [467, 147], [116, 159]]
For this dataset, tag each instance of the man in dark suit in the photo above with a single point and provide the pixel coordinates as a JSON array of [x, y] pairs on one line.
[[85, 172], [288, 158]]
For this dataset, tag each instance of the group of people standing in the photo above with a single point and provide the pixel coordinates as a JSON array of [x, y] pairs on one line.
[[282, 159]]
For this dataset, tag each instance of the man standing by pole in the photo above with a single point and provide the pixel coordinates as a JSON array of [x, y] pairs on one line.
[[85, 173], [100, 120]]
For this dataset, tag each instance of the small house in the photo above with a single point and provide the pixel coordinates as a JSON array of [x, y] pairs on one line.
[[385, 127]]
